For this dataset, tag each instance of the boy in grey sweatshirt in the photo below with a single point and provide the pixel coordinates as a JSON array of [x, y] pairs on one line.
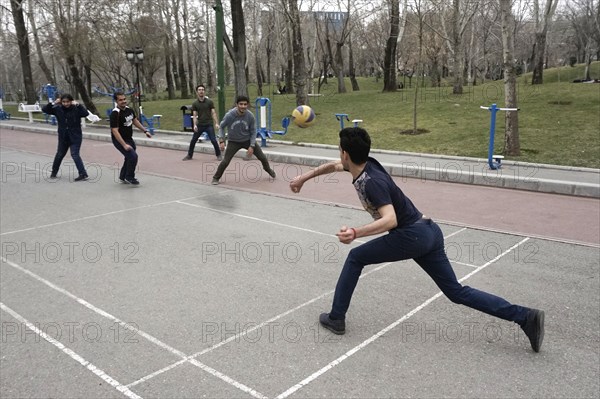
[[241, 133]]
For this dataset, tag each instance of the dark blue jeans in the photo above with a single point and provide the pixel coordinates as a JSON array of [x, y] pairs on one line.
[[130, 161], [64, 144], [423, 242], [210, 130]]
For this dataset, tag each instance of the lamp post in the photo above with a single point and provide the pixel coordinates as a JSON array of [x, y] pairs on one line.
[[136, 56]]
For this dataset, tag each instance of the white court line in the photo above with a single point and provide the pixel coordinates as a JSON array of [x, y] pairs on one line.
[[259, 219], [464, 264], [143, 334], [99, 215], [372, 339], [73, 355], [264, 323]]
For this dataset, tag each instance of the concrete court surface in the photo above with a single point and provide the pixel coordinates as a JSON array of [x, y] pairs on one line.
[[181, 289]]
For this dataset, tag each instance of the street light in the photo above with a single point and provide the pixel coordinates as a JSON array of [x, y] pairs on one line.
[[136, 56]]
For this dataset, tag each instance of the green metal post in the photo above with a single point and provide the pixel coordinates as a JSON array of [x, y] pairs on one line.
[[218, 7]]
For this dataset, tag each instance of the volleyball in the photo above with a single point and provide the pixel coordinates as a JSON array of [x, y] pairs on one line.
[[303, 116]]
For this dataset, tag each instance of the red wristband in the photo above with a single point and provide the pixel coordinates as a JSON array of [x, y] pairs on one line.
[[354, 231]]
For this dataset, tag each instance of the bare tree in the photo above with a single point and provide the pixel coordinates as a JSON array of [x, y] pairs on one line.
[[180, 62], [460, 18], [165, 20], [389, 64], [38, 45], [541, 31], [188, 49], [237, 48], [585, 21], [68, 18], [23, 42], [300, 76], [420, 13], [337, 31], [511, 135]]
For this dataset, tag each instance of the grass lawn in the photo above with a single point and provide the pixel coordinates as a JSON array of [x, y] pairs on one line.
[[559, 121]]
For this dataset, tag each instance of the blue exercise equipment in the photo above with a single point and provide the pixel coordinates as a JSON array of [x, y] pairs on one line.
[[342, 117], [263, 121], [494, 161], [3, 114], [51, 92]]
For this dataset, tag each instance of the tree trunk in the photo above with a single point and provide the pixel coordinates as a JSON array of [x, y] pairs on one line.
[[298, 52], [457, 87], [390, 83], [180, 62], [168, 72], [511, 135], [538, 59], [23, 41], [418, 69], [539, 47], [79, 84], [289, 71], [238, 50], [351, 71], [38, 46], [188, 50], [210, 76]]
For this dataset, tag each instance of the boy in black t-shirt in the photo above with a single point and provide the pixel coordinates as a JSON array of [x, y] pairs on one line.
[[204, 119], [122, 119], [410, 236]]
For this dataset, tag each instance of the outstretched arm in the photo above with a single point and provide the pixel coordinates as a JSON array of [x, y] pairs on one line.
[[325, 169], [139, 125]]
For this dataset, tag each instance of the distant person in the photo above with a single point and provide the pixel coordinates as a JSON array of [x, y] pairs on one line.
[[68, 117], [410, 235], [204, 119], [122, 119], [241, 133]]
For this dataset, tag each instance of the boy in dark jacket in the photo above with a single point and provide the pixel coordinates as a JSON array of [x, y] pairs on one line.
[[68, 116]]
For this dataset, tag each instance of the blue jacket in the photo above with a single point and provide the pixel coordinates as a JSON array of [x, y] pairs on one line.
[[68, 119]]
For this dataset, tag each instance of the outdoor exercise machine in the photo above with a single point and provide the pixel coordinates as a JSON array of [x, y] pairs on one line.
[[263, 121], [3, 114], [51, 92], [494, 161], [344, 117]]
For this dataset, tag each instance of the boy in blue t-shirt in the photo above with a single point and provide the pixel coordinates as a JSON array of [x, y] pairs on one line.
[[410, 236]]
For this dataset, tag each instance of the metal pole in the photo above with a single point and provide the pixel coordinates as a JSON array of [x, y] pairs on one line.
[[218, 7], [139, 90]]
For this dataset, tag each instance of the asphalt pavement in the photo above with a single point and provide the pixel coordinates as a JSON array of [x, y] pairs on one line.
[[180, 288]]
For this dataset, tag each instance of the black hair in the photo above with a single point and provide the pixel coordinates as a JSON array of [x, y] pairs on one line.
[[242, 98], [117, 94], [200, 85], [357, 143], [66, 96]]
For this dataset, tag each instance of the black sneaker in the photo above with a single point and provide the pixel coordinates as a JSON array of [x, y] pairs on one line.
[[53, 176], [335, 326], [81, 177], [186, 158], [271, 173], [132, 180], [534, 328], [214, 181]]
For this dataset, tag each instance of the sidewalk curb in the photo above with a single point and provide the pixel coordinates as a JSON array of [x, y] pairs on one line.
[[463, 170]]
